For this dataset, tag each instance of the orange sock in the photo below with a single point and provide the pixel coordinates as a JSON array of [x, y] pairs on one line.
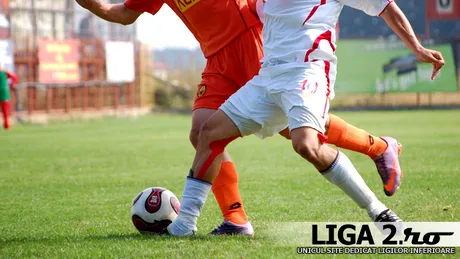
[[347, 136], [225, 189]]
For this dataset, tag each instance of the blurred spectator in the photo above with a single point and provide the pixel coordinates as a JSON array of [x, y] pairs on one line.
[[5, 87]]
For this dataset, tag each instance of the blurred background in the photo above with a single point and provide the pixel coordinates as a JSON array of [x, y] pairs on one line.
[[71, 63]]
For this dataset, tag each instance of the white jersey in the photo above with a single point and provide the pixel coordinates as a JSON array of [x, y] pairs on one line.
[[302, 32]]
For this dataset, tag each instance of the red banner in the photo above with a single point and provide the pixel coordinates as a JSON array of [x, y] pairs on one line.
[[442, 9], [58, 61]]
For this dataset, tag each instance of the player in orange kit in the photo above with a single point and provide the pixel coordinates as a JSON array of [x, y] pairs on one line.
[[230, 36]]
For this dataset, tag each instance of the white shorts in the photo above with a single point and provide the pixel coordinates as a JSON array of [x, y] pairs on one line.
[[279, 97]]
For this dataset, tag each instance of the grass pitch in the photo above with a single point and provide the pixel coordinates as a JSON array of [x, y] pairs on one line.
[[66, 188]]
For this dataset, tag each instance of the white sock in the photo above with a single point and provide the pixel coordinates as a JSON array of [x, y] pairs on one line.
[[193, 199], [343, 174]]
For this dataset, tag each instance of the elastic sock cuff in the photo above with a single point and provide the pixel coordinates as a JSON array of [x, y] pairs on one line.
[[333, 165], [198, 180]]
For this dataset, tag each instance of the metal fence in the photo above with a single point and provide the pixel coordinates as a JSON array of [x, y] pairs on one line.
[[36, 98], [93, 92]]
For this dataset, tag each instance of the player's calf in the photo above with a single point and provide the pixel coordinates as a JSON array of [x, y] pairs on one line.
[[225, 186], [214, 136], [337, 169]]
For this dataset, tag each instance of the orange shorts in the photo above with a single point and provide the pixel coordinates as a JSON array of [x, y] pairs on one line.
[[229, 69]]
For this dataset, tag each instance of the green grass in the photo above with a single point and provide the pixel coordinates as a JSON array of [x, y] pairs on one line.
[[66, 188]]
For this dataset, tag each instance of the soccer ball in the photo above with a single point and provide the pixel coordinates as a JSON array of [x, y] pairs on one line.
[[154, 209]]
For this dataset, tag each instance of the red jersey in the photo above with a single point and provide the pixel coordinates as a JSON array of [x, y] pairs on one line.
[[214, 23]]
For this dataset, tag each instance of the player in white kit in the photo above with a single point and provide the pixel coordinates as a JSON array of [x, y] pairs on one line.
[[293, 89]]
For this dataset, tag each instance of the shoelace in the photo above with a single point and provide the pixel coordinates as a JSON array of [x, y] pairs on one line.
[[383, 216], [386, 216]]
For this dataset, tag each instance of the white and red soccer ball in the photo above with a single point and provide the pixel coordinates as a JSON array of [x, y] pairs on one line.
[[154, 209]]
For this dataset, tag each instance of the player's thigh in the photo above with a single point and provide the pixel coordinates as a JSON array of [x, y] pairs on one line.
[[306, 130], [218, 127], [253, 111], [304, 99]]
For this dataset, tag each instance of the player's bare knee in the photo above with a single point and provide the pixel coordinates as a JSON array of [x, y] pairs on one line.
[[309, 152], [197, 125], [205, 135]]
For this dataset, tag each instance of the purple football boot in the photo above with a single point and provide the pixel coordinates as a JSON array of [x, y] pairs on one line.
[[388, 166], [229, 228]]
